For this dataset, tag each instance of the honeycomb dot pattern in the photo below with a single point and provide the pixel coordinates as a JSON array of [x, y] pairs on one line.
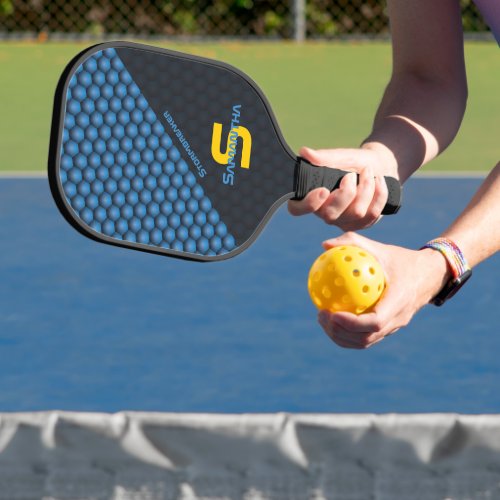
[[346, 278], [198, 93], [120, 171]]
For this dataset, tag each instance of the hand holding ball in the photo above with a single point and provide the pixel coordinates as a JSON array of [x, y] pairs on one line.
[[346, 278]]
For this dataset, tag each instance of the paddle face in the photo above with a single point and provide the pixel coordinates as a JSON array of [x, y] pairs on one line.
[[164, 152]]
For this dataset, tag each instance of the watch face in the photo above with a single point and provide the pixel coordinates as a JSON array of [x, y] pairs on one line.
[[451, 288]]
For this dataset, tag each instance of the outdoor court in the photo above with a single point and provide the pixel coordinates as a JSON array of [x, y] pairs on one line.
[[256, 401], [86, 326]]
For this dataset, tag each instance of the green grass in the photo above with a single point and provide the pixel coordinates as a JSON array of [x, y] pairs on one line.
[[324, 95]]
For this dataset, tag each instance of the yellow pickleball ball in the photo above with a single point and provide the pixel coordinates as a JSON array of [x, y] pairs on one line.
[[346, 278]]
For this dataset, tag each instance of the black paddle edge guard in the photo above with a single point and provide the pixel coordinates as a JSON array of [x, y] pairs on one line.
[[53, 164], [309, 177]]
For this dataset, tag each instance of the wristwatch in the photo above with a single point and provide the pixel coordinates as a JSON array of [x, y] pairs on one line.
[[460, 270]]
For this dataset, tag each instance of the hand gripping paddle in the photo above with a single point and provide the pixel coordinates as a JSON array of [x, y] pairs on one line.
[[171, 153]]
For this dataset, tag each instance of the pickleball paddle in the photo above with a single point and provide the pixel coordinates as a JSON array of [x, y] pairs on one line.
[[171, 153]]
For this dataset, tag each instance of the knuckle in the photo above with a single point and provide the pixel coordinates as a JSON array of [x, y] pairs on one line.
[[373, 213], [365, 343], [358, 211], [329, 215], [330, 219]]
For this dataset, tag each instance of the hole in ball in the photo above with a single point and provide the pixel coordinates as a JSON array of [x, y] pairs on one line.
[[366, 289], [317, 300], [356, 273]]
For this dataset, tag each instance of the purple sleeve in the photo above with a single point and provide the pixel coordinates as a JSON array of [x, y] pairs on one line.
[[490, 9]]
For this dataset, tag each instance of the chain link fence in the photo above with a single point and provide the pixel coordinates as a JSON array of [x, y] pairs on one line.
[[284, 19]]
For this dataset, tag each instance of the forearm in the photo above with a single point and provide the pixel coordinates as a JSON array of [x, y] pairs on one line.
[[416, 120], [424, 103], [477, 230]]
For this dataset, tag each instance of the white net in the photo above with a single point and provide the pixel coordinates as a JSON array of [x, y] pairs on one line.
[[153, 456]]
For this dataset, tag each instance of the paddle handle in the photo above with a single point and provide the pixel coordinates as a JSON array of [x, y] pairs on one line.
[[309, 177]]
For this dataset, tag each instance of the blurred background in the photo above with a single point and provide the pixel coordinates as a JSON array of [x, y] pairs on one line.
[[334, 80], [282, 19]]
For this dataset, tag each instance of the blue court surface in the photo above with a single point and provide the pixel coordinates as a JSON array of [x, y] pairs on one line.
[[86, 326]]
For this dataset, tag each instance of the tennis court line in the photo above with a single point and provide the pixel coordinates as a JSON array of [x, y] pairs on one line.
[[453, 174]]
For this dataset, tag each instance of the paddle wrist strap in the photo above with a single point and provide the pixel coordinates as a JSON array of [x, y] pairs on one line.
[[457, 264], [309, 177]]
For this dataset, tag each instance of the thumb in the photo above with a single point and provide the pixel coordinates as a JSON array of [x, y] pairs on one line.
[[349, 238], [339, 158]]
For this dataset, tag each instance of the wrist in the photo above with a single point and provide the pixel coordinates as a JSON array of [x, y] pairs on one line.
[[437, 272], [386, 157]]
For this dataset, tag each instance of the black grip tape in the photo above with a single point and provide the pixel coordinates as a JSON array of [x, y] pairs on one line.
[[309, 177]]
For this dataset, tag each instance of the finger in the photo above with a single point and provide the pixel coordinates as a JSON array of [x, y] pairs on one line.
[[365, 191], [365, 211], [311, 203], [339, 334], [344, 344], [340, 339], [353, 341], [380, 196], [338, 201], [348, 238], [362, 340], [348, 338], [384, 319], [362, 324], [351, 159]]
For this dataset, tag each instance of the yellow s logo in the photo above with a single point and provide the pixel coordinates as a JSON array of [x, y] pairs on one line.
[[227, 157]]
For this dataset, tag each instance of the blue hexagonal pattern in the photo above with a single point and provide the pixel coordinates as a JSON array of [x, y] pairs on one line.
[[120, 171]]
